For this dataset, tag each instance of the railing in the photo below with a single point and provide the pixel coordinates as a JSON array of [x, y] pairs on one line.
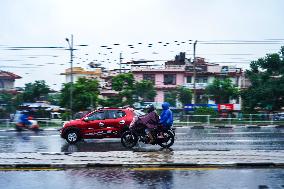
[[197, 85], [245, 119], [43, 123]]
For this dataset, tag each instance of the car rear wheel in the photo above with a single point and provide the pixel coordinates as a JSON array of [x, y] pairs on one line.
[[72, 136]]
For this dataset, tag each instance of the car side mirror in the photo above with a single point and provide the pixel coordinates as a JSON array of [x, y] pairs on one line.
[[86, 119]]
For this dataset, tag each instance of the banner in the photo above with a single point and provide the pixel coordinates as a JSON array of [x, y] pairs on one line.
[[191, 107]]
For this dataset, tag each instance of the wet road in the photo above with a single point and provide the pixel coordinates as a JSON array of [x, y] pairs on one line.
[[187, 139], [205, 178]]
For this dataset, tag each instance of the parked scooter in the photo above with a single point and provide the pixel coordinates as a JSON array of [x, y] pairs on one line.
[[163, 137]]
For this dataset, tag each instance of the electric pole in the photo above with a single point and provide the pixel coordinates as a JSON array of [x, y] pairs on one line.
[[70, 44], [194, 73]]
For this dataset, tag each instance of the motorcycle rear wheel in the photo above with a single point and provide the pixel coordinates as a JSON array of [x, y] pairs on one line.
[[168, 139]]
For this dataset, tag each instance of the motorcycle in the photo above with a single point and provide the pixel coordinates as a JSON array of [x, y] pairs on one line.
[[34, 126], [162, 137]]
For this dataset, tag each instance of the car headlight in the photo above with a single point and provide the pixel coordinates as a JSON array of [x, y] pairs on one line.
[[64, 123]]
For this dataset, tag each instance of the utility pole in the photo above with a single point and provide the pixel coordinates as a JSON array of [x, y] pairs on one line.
[[194, 73], [70, 44], [120, 61]]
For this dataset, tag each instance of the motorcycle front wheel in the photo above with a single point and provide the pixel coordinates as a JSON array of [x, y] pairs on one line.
[[128, 139], [167, 140]]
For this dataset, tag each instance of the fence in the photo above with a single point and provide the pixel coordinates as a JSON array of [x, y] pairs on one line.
[[185, 120], [244, 119], [44, 123]]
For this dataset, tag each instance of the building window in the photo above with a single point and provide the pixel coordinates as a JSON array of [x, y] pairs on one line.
[[169, 79], [149, 77], [188, 79], [1, 85], [201, 80]]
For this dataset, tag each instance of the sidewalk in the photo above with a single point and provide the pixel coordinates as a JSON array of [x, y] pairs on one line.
[[165, 158]]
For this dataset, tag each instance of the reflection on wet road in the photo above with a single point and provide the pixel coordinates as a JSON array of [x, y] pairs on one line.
[[129, 178], [186, 139]]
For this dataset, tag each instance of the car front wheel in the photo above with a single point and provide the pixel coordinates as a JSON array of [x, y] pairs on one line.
[[72, 136]]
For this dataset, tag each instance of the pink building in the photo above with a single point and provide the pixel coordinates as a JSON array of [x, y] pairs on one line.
[[165, 78], [180, 73]]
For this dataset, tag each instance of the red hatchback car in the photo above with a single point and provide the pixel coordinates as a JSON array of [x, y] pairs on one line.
[[102, 123]]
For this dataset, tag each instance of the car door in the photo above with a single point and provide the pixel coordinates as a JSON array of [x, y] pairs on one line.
[[115, 121], [94, 124]]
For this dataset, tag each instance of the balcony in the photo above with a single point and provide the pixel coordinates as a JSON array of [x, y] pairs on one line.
[[197, 85]]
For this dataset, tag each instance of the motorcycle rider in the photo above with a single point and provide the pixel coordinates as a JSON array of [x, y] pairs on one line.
[[24, 119], [151, 121], [166, 117]]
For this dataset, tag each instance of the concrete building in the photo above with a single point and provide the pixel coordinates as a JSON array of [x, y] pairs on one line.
[[7, 80], [180, 72], [79, 72]]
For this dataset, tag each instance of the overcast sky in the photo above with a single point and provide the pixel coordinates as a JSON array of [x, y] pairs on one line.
[[46, 23]]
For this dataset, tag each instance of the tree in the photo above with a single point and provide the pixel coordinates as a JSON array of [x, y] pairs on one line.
[[267, 83], [125, 85], [184, 95], [85, 94], [35, 91], [222, 90], [9, 104], [171, 97], [145, 89]]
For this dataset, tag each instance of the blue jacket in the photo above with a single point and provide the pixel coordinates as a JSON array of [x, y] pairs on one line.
[[24, 119], [166, 118]]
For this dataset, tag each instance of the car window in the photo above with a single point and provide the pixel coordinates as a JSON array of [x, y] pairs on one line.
[[96, 116], [114, 114]]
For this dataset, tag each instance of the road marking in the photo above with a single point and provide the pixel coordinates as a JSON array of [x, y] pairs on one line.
[[174, 168], [31, 169]]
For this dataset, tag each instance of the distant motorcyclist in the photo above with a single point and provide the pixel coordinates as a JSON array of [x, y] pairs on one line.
[[166, 117], [24, 119]]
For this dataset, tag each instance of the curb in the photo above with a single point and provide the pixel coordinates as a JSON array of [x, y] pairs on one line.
[[142, 165], [229, 126]]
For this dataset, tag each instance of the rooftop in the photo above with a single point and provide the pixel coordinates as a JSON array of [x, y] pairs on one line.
[[8, 75]]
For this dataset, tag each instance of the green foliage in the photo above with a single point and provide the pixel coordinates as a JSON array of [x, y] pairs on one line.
[[129, 91], [124, 84], [267, 83], [222, 90], [35, 91], [85, 94], [171, 97], [114, 101], [54, 98], [205, 111], [145, 90], [184, 95], [10, 102]]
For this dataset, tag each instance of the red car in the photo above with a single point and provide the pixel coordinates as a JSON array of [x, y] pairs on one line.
[[102, 123]]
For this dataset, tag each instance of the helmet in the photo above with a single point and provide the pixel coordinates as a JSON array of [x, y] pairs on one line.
[[150, 108]]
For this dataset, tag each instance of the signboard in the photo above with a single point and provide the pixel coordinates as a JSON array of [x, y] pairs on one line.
[[225, 107], [191, 107], [217, 107]]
